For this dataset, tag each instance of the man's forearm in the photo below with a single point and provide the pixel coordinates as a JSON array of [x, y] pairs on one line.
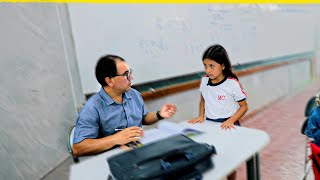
[[150, 118], [93, 146]]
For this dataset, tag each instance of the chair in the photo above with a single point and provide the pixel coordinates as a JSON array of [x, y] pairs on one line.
[[315, 157], [70, 144], [70, 137]]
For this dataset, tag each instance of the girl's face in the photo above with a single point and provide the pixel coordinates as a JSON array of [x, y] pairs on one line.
[[213, 70]]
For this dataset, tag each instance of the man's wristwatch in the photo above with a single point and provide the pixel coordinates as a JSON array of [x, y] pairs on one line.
[[159, 116]]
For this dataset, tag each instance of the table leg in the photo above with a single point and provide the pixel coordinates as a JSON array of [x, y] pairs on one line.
[[253, 168], [250, 169], [257, 163]]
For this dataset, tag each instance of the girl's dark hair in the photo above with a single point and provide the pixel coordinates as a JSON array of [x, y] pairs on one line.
[[218, 54], [106, 67]]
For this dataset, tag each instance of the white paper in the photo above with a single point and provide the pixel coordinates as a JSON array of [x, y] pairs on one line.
[[166, 129]]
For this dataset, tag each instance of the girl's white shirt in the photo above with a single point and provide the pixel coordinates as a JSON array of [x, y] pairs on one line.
[[221, 99]]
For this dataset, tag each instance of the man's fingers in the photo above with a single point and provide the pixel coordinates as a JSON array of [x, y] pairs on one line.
[[135, 138]]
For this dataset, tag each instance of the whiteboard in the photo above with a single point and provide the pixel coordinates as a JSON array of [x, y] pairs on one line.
[[167, 40]]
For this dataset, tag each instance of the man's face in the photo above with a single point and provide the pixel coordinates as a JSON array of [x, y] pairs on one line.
[[123, 80]]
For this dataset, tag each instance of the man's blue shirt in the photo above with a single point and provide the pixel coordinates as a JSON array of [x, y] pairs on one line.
[[101, 115], [313, 126]]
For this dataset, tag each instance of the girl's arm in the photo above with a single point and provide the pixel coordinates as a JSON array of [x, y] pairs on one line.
[[201, 109], [200, 118], [241, 111]]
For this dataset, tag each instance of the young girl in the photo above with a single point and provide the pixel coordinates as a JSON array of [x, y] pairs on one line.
[[222, 97]]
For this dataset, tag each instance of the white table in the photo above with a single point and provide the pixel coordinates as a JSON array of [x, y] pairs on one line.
[[233, 148]]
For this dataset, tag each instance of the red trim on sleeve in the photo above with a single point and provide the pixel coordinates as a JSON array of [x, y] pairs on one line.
[[239, 85]]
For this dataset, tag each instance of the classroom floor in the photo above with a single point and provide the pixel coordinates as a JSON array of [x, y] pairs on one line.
[[283, 158]]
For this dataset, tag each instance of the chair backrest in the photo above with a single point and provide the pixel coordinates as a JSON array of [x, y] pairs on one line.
[[70, 144], [71, 135], [310, 105]]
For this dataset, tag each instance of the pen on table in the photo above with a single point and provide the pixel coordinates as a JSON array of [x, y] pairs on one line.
[[116, 130]]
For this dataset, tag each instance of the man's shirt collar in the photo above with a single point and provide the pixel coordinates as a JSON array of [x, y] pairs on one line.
[[126, 96]]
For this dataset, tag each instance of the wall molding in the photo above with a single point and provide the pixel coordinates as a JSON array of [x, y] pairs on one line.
[[154, 93]]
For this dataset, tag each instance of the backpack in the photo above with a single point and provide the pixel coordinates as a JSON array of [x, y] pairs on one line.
[[176, 157]]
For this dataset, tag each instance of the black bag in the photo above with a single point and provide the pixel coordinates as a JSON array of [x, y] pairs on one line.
[[177, 157]]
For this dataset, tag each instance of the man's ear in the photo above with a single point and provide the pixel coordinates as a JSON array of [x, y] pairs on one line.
[[109, 81]]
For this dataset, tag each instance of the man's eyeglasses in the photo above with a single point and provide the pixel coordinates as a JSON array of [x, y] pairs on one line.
[[127, 74]]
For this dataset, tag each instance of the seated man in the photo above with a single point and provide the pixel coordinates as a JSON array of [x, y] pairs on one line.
[[115, 114], [313, 124]]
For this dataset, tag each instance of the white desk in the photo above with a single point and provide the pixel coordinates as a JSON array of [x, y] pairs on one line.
[[233, 148]]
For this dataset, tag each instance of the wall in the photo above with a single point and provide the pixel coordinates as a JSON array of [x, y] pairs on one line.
[[168, 35], [317, 47], [39, 86]]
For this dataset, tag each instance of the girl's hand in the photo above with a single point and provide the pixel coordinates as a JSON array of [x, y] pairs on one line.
[[227, 125], [196, 120]]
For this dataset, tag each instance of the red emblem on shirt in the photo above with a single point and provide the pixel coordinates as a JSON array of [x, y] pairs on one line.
[[221, 97]]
